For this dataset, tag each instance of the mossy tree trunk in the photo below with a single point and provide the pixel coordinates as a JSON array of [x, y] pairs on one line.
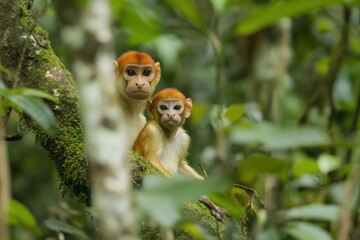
[[25, 50]]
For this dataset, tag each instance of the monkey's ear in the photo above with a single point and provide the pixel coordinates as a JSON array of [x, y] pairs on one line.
[[158, 72], [188, 107], [116, 66], [149, 106]]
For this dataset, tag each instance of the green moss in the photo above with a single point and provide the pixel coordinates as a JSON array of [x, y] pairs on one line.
[[41, 69]]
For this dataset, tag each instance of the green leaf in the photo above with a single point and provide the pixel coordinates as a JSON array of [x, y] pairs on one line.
[[37, 110], [4, 70], [59, 226], [269, 234], [328, 163], [32, 93], [309, 181], [232, 201], [161, 197], [314, 212], [19, 215], [234, 112], [322, 65], [276, 137], [250, 168], [277, 10], [306, 231], [305, 166], [219, 5], [189, 10], [142, 23]]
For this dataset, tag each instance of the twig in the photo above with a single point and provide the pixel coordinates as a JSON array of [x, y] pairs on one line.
[[15, 137], [352, 129], [216, 211], [252, 193]]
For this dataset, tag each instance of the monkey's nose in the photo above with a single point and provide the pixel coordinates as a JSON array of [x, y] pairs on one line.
[[140, 85]]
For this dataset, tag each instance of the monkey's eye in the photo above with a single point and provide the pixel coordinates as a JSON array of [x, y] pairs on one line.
[[147, 72], [177, 107], [130, 72], [163, 107]]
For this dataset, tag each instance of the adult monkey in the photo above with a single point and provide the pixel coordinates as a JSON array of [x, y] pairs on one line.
[[137, 75]]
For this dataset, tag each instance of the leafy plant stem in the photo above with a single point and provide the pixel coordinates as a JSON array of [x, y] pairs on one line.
[[220, 83]]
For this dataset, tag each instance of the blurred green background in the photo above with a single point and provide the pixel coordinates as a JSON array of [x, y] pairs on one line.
[[286, 78]]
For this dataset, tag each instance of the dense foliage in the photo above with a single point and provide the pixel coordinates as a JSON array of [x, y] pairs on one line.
[[276, 93]]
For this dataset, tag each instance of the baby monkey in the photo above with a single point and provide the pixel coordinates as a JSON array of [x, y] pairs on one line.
[[163, 141]]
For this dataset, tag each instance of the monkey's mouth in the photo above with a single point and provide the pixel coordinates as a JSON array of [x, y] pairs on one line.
[[172, 122], [138, 94]]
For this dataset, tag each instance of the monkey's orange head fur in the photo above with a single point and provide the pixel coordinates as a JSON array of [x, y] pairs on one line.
[[134, 57], [169, 93]]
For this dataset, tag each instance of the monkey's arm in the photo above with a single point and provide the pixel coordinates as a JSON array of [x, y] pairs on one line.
[[185, 169], [149, 144]]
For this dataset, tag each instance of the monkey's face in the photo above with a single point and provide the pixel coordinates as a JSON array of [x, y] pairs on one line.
[[171, 112], [140, 80]]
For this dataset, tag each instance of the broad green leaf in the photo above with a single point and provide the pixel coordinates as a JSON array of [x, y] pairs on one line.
[[37, 110], [183, 189], [276, 137], [306, 231], [60, 226], [307, 181], [162, 210], [305, 166], [116, 7], [269, 234], [161, 197], [277, 10], [219, 5], [142, 23], [324, 24], [328, 163], [33, 93], [314, 212], [234, 201], [168, 47], [19, 215], [234, 112], [252, 167], [189, 10]]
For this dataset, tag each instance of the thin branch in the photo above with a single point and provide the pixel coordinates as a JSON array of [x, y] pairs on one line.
[[336, 60], [15, 137], [335, 64], [252, 194], [4, 184], [353, 128]]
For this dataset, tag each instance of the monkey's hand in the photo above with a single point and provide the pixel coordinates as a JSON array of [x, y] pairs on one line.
[[218, 212]]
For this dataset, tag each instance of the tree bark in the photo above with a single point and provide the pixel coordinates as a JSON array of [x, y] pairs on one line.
[[104, 126], [25, 50]]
